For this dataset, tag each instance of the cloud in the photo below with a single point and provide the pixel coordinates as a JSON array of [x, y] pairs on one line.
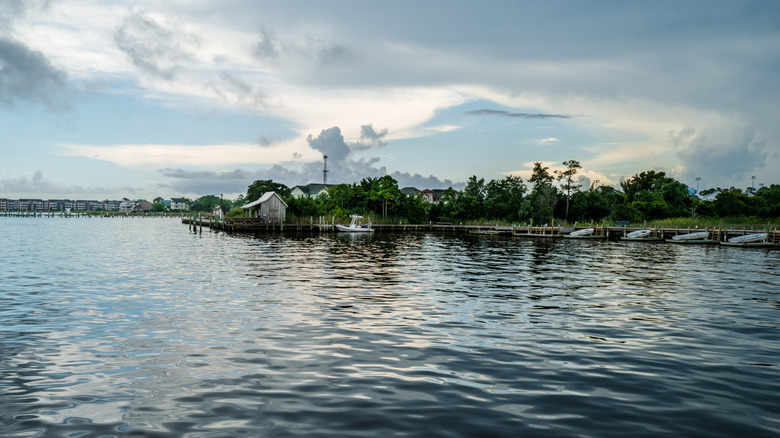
[[342, 168], [370, 139], [331, 143], [145, 155], [500, 113], [154, 47], [273, 50], [38, 184], [724, 152], [27, 75]]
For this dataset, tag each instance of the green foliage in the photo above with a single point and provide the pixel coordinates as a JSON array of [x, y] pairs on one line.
[[568, 177], [648, 196], [260, 187], [504, 198], [205, 203]]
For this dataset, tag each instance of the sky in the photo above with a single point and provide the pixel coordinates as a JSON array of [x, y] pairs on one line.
[[184, 98]]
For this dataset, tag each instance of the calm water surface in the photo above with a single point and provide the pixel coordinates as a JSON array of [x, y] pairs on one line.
[[138, 327]]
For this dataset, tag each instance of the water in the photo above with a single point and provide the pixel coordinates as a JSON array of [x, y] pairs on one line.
[[138, 327]]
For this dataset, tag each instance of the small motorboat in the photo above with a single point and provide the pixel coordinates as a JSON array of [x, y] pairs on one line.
[[696, 237], [582, 233], [638, 234], [587, 233], [641, 235], [355, 225], [691, 236], [757, 240], [750, 238]]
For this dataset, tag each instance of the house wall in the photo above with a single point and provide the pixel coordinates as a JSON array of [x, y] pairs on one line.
[[272, 210]]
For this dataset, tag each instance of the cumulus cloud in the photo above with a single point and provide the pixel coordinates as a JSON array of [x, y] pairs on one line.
[[27, 75], [724, 152], [342, 168], [370, 139], [500, 113]]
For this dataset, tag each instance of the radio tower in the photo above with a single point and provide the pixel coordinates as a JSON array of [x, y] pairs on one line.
[[325, 170]]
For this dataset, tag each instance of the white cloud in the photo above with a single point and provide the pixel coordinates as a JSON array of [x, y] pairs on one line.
[[145, 155]]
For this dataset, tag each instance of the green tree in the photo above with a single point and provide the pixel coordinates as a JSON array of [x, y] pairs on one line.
[[504, 198], [568, 180], [771, 196], [260, 187], [205, 203], [540, 175], [732, 203], [471, 200], [656, 196], [544, 196]]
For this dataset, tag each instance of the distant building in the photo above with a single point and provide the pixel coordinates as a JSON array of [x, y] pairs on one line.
[[142, 207], [270, 207], [126, 206], [219, 212], [410, 191], [179, 204], [432, 196], [111, 205], [311, 190]]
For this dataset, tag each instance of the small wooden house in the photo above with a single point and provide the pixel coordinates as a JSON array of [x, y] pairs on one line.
[[270, 207]]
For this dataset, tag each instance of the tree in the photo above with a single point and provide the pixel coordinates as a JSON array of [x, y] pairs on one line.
[[544, 196], [568, 177], [471, 200], [260, 187], [205, 203], [656, 196], [504, 198], [540, 175]]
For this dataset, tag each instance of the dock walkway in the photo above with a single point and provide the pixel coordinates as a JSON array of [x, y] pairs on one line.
[[258, 225]]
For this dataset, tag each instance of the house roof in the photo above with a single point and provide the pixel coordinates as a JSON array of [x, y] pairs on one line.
[[266, 196], [314, 187]]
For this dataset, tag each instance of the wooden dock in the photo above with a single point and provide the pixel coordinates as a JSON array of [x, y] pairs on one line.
[[258, 225]]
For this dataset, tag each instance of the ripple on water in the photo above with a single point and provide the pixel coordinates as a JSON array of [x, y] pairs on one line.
[[164, 333]]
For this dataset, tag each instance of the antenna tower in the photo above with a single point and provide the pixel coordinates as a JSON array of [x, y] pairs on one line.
[[325, 170]]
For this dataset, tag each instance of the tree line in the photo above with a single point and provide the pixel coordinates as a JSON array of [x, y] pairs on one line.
[[545, 197]]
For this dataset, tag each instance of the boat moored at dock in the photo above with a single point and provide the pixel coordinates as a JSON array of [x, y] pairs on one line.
[[754, 240], [355, 225], [644, 235], [695, 238]]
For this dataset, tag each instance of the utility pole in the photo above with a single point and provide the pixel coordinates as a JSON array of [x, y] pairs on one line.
[[325, 170]]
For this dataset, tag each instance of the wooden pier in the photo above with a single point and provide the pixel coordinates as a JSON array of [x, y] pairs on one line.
[[322, 225]]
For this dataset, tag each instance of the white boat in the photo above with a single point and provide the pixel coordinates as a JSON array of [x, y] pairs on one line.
[[638, 234], [749, 238], [355, 226], [581, 233], [691, 236]]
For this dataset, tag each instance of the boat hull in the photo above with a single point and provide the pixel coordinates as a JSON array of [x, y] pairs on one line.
[[750, 238], [693, 241], [587, 236], [752, 245], [347, 229]]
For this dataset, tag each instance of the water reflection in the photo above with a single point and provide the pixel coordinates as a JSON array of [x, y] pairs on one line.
[[352, 335]]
